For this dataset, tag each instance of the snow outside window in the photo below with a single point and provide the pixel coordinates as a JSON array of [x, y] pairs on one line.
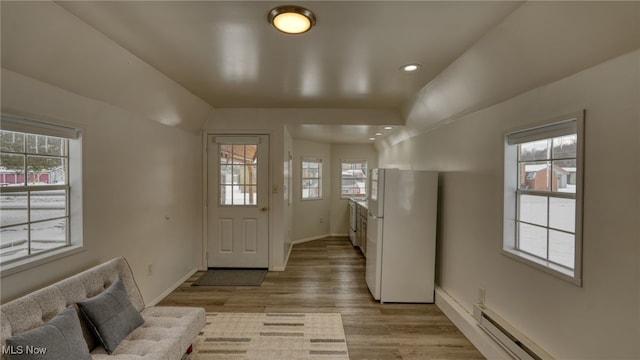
[[543, 197], [40, 189]]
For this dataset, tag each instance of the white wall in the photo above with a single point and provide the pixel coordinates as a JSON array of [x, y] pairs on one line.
[[44, 41], [331, 209], [274, 122], [545, 60], [287, 160], [136, 173], [540, 42], [339, 206], [599, 320], [311, 218], [142, 155]]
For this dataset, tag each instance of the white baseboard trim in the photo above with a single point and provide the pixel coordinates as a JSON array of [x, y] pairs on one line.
[[164, 294], [300, 241], [465, 321]]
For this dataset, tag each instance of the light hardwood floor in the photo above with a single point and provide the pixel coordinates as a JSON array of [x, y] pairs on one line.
[[328, 276]]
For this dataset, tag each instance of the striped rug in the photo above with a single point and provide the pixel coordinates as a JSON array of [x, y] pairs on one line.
[[267, 336]]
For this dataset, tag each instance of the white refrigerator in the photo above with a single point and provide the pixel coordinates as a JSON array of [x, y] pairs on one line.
[[401, 235]]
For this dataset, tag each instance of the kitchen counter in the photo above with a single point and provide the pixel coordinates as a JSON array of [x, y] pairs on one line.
[[363, 203]]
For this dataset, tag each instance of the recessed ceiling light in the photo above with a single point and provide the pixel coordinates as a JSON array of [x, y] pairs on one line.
[[378, 134], [388, 127], [410, 67], [372, 138], [292, 19]]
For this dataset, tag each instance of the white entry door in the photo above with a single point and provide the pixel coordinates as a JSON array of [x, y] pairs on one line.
[[238, 211]]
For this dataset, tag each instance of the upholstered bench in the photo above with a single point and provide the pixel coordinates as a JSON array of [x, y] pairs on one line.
[[166, 332]]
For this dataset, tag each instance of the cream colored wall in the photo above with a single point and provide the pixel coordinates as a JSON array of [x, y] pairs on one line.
[[141, 150], [311, 218], [329, 216], [141, 187], [599, 320], [540, 42], [339, 206], [545, 60], [42, 40], [274, 122], [288, 201]]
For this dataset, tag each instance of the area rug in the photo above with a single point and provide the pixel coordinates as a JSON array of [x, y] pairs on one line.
[[231, 277], [267, 336]]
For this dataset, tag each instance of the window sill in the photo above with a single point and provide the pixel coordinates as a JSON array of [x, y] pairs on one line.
[[37, 260], [545, 266]]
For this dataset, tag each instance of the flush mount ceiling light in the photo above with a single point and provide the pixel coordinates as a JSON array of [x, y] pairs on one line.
[[410, 67], [292, 19]]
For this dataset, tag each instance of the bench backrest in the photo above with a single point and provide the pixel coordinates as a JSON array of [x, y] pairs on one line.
[[38, 307]]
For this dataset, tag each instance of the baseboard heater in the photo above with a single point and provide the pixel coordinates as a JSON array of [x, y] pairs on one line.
[[514, 342]]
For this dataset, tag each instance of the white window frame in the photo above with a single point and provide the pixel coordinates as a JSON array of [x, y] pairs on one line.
[[366, 175], [303, 178], [73, 186], [564, 125]]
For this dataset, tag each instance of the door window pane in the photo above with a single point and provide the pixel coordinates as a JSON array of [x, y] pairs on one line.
[[251, 195], [238, 182]]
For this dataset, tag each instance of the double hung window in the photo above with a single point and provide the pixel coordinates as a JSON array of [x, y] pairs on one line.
[[543, 202], [311, 179], [353, 179], [39, 163]]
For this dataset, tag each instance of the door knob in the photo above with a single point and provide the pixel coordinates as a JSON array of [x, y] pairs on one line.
[[264, 208]]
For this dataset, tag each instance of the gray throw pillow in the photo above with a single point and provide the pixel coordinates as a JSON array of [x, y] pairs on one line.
[[111, 315], [59, 338]]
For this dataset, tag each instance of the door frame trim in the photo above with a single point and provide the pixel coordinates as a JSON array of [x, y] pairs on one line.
[[203, 258]]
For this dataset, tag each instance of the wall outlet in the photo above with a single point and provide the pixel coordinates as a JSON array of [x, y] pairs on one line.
[[149, 269], [481, 295]]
